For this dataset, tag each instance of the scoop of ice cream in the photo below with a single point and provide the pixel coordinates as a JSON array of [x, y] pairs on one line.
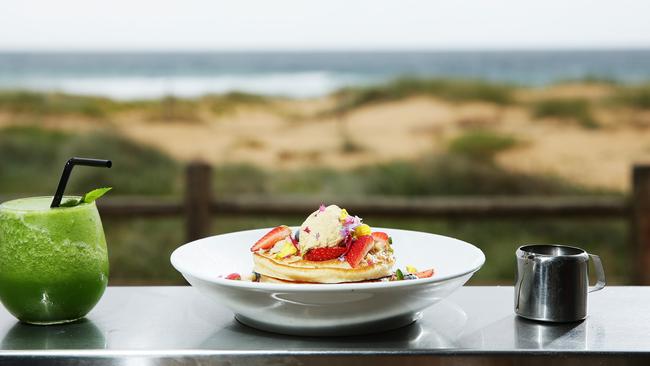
[[321, 229]]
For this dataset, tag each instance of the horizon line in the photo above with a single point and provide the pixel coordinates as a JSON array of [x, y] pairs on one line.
[[325, 50]]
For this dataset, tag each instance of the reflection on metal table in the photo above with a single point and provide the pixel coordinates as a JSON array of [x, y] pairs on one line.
[[475, 325]]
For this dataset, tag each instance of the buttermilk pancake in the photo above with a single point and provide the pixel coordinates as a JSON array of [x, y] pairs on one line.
[[331, 246]]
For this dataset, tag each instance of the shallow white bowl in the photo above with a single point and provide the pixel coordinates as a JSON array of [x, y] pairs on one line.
[[328, 309]]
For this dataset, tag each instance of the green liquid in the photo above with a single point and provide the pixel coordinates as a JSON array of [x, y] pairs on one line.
[[53, 262]]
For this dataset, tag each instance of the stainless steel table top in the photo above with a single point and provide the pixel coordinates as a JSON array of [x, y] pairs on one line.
[[169, 325]]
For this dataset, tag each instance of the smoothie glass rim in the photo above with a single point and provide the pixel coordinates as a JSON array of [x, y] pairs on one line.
[[4, 207]]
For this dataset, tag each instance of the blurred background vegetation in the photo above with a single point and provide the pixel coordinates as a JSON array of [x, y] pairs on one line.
[[33, 152]]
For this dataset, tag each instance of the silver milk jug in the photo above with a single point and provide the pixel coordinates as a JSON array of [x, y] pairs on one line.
[[552, 282]]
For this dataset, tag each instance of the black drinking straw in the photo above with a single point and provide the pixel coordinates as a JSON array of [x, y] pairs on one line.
[[67, 169]]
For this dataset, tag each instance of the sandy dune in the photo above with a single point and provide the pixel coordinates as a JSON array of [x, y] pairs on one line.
[[402, 130], [290, 134]]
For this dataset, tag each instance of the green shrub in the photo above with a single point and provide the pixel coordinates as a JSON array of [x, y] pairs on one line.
[[449, 174], [575, 109], [455, 175], [239, 179], [480, 144], [32, 160], [634, 96], [139, 250], [137, 169]]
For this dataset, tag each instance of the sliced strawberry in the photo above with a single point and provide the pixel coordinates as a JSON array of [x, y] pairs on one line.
[[425, 274], [233, 276], [381, 237], [358, 249], [324, 254], [272, 237]]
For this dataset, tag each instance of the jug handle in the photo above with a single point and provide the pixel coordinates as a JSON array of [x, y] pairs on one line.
[[600, 273]]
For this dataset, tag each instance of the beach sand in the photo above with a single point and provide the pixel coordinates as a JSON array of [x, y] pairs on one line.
[[291, 134]]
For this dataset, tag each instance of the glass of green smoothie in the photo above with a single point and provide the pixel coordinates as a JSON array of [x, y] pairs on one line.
[[53, 260]]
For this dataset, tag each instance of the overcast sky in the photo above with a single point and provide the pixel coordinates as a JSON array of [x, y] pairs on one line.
[[321, 24]]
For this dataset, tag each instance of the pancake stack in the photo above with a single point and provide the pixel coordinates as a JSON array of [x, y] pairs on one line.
[[330, 247]]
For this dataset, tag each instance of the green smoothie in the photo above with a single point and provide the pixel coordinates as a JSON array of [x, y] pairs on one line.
[[53, 261]]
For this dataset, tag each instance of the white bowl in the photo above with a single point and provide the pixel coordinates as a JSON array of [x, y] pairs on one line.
[[328, 309]]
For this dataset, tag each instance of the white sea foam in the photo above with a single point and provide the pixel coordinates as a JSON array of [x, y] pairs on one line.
[[295, 85], [133, 75]]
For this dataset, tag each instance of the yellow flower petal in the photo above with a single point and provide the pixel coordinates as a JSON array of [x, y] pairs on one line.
[[362, 230], [287, 249], [411, 269]]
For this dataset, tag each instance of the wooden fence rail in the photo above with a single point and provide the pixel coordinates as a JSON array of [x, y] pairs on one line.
[[443, 207], [199, 206]]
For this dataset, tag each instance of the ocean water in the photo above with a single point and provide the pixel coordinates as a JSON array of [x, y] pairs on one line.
[[299, 74]]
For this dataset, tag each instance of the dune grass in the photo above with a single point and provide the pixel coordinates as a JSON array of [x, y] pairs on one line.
[[167, 109], [170, 108], [575, 109], [450, 90], [55, 104], [634, 96], [189, 109], [221, 104], [38, 104], [591, 80]]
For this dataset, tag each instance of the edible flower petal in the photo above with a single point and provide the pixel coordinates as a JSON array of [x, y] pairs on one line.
[[362, 230], [411, 269], [287, 249]]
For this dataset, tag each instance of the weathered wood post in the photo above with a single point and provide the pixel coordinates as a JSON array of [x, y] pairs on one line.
[[641, 220], [198, 198]]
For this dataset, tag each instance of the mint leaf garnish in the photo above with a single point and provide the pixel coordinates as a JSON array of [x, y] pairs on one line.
[[86, 198], [399, 275], [94, 194], [70, 202]]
